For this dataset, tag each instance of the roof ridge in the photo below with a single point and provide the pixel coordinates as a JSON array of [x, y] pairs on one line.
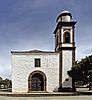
[[33, 51]]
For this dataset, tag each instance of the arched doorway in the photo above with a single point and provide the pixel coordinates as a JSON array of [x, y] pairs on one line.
[[37, 81]]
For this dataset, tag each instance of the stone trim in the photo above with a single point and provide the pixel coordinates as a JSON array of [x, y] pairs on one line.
[[60, 24], [30, 80], [60, 68], [73, 57], [31, 52]]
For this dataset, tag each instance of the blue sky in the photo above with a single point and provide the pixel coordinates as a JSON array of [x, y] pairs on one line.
[[29, 24]]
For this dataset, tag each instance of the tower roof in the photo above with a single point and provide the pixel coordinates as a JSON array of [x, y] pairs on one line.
[[64, 13]]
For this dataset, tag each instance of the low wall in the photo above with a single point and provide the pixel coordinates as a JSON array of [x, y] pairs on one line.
[[82, 89]]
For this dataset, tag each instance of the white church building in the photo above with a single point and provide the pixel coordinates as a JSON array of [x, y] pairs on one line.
[[46, 71]]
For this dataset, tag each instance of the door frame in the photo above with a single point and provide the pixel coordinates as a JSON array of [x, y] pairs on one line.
[[30, 80]]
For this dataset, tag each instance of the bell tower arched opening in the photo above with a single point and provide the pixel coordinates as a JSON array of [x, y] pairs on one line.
[[66, 37]]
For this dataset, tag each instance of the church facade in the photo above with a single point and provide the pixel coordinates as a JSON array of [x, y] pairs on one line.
[[46, 70]]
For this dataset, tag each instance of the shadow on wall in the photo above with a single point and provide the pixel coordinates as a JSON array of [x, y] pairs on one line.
[[56, 89]]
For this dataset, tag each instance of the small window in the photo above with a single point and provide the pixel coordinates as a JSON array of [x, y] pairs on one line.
[[37, 62]]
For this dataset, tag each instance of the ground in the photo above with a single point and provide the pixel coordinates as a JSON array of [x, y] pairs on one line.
[[48, 98]]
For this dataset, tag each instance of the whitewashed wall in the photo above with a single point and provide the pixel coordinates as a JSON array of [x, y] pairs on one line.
[[23, 65], [67, 64]]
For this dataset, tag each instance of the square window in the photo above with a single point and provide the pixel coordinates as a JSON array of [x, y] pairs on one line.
[[37, 62]]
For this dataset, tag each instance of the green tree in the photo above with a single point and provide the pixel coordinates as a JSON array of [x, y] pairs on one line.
[[5, 83], [0, 78], [0, 81], [81, 72]]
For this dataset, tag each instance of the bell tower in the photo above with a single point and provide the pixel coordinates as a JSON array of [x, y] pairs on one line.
[[65, 46]]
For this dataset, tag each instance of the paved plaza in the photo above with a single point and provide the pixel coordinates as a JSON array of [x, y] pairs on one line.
[[48, 98]]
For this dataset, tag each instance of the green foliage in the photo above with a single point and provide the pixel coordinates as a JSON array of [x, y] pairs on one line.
[[82, 70], [5, 83], [0, 78]]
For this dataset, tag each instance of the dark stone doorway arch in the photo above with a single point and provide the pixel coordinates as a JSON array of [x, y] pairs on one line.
[[37, 81]]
